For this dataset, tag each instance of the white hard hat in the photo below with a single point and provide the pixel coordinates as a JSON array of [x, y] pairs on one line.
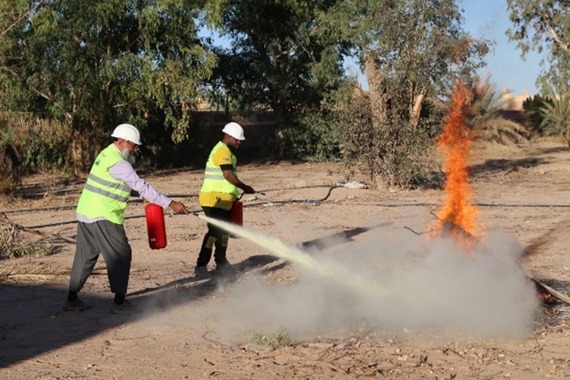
[[127, 132], [235, 130]]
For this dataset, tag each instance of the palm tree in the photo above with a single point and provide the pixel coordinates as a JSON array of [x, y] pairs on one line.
[[485, 118], [556, 116]]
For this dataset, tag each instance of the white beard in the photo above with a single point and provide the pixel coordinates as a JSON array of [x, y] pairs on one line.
[[128, 156]]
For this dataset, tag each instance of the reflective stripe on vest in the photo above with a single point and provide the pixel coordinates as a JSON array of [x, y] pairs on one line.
[[214, 177], [102, 191], [104, 196]]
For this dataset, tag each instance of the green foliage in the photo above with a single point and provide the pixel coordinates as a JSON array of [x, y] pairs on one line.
[[28, 145], [161, 153], [10, 177], [313, 136], [38, 145], [10, 160], [539, 24], [533, 117], [485, 119], [95, 64], [419, 45], [395, 153], [45, 147], [275, 340], [544, 26], [411, 52], [556, 117], [317, 135], [279, 58]]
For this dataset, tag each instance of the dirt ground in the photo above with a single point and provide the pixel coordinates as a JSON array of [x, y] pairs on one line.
[[229, 326]]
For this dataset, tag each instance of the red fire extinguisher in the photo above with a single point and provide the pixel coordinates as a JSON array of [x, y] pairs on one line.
[[155, 226], [236, 213]]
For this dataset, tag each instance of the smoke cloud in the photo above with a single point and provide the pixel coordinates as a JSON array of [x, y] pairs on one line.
[[389, 282]]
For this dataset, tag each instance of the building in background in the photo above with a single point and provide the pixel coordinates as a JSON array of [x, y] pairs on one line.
[[513, 102]]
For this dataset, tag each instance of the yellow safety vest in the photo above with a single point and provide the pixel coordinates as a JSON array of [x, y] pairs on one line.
[[104, 196], [216, 191]]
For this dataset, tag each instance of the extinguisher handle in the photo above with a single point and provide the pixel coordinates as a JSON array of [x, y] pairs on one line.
[[242, 193]]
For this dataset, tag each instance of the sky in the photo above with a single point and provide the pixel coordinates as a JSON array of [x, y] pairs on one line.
[[506, 69], [486, 19]]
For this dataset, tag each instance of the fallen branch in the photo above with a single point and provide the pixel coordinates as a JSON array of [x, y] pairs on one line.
[[45, 234], [555, 293], [33, 231]]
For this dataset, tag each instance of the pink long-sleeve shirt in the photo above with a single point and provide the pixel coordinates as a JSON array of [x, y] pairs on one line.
[[123, 170]]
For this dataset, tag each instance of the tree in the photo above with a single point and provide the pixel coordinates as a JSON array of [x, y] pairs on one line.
[[533, 115], [411, 48], [543, 25], [411, 52], [279, 58], [93, 64], [485, 119], [556, 116], [540, 24]]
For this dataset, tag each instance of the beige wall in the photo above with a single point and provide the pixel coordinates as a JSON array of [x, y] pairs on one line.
[[513, 102]]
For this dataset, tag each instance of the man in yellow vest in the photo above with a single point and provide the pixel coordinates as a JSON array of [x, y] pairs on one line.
[[218, 192], [101, 213]]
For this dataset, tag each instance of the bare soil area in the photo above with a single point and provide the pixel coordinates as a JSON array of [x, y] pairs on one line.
[[223, 326]]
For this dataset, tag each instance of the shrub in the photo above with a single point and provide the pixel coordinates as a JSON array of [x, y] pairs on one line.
[[45, 146], [395, 153], [33, 144], [10, 174], [556, 117], [532, 116], [313, 136], [276, 340]]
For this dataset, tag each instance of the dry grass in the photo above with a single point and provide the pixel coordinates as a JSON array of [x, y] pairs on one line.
[[14, 245], [275, 340]]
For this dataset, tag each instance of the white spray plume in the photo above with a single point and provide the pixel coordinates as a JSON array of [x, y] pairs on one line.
[[387, 285]]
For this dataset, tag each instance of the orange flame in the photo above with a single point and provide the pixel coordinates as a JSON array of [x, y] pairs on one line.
[[457, 214]]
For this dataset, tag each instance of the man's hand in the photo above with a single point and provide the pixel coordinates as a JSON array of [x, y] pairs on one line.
[[178, 207], [248, 189]]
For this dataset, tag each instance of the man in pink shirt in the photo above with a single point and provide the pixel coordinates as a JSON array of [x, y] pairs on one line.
[[101, 213]]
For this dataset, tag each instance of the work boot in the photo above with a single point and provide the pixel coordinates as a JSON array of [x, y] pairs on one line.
[[76, 305], [201, 271], [125, 308], [224, 268]]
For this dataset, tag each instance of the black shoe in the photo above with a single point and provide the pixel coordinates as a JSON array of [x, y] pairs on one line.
[[201, 271], [76, 305], [222, 263], [125, 308], [224, 268]]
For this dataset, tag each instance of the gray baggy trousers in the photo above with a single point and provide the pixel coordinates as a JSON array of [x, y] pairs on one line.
[[107, 238]]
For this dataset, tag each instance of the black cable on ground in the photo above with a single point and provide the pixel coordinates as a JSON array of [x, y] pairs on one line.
[[331, 188], [422, 204], [138, 200]]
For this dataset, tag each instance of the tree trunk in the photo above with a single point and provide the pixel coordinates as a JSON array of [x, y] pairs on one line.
[[417, 109], [279, 135], [82, 151], [376, 90]]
